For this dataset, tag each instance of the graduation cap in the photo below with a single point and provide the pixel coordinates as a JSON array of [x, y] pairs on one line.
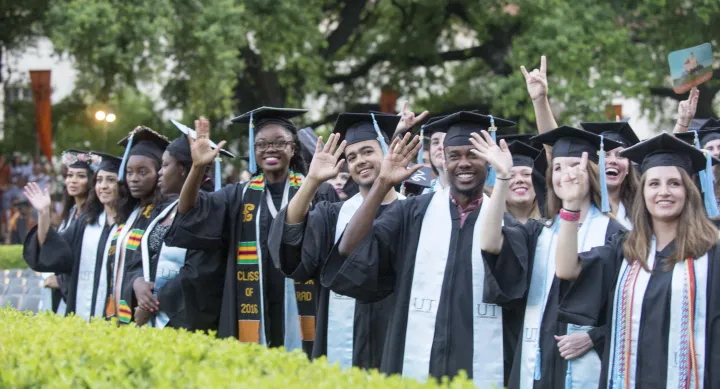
[[667, 150], [710, 123], [700, 138], [460, 125], [180, 148], [568, 141], [108, 162], [360, 127], [145, 142], [79, 159], [617, 131], [419, 181], [260, 117], [524, 138]]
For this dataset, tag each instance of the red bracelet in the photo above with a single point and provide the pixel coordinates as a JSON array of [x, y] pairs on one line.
[[570, 216]]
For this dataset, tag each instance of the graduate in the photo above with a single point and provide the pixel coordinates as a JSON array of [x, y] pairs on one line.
[[526, 198], [423, 250], [258, 305], [173, 286], [81, 249], [349, 333], [657, 286], [708, 138], [520, 262], [436, 156], [622, 179], [139, 196]]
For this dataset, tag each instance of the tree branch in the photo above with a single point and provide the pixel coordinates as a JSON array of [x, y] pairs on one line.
[[350, 17]]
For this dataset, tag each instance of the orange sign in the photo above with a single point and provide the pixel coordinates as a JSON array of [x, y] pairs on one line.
[[40, 80]]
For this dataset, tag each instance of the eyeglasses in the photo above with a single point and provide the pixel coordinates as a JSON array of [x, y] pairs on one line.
[[277, 145]]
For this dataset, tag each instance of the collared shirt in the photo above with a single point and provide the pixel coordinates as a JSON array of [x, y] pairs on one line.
[[465, 212]]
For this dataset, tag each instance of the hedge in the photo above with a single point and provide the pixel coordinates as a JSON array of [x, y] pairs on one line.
[[48, 351], [11, 257]]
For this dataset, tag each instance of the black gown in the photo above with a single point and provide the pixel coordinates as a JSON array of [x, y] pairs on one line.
[[384, 262], [191, 299], [215, 223], [305, 261], [510, 273], [61, 254], [589, 301]]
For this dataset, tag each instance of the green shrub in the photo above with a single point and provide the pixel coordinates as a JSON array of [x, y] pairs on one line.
[[47, 351], [11, 257]]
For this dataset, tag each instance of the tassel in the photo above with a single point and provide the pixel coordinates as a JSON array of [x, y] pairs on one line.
[[709, 180], [703, 179], [605, 206], [121, 173], [538, 367], [490, 181], [568, 377], [422, 145], [380, 138], [252, 164], [218, 184]]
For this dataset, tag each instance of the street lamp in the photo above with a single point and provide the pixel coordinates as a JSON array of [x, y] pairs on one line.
[[110, 117], [106, 118], [100, 115]]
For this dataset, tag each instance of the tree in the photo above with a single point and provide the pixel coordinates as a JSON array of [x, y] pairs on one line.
[[19, 21]]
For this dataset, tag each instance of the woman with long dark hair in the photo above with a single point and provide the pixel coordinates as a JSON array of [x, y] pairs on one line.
[[173, 286], [520, 262], [81, 249], [657, 286], [259, 305], [139, 196]]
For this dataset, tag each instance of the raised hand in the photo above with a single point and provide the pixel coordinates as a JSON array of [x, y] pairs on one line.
[[408, 120], [402, 151], [40, 199], [687, 108], [576, 184], [537, 84], [325, 164], [202, 153], [498, 155]]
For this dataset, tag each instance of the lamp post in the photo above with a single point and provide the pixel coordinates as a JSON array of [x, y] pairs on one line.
[[106, 118]]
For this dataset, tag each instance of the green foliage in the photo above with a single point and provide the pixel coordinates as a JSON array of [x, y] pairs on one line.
[[11, 257], [19, 134], [102, 355], [19, 21]]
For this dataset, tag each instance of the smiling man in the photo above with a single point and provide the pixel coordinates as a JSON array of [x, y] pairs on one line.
[[424, 250]]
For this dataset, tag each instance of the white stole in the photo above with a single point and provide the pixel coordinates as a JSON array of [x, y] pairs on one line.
[[623, 218], [585, 370], [102, 292], [88, 263], [428, 275], [341, 309], [615, 380], [170, 261], [120, 251]]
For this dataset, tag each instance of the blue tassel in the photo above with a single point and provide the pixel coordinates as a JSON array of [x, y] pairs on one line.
[[605, 199], [383, 144], [121, 173], [538, 367], [703, 178], [422, 145], [252, 164], [490, 181], [568, 377], [218, 184], [709, 180]]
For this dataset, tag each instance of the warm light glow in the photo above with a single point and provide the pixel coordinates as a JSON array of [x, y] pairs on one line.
[[110, 117], [100, 115]]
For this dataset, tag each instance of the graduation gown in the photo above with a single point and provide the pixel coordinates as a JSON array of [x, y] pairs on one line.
[[62, 253], [215, 223], [304, 262], [590, 300], [191, 300], [384, 263], [510, 274]]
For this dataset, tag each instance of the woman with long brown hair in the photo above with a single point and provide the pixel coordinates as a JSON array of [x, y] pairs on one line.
[[520, 261], [656, 287]]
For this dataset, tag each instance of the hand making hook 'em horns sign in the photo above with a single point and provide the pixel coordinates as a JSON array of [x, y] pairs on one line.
[[537, 84], [497, 155], [575, 182]]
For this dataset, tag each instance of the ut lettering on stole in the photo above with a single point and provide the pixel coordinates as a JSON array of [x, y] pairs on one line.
[[531, 334], [168, 274], [86, 275], [487, 311], [420, 304]]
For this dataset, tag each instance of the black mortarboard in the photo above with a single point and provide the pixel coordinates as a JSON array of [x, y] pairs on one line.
[[617, 131], [145, 142], [259, 117], [525, 138], [525, 155], [568, 141], [460, 125], [108, 163], [710, 123], [79, 159], [359, 127], [420, 180], [699, 138], [308, 141], [667, 150]]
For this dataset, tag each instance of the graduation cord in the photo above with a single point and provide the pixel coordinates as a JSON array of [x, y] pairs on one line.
[[623, 327], [538, 353], [688, 367]]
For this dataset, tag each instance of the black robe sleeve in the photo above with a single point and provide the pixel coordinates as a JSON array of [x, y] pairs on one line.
[[56, 254], [586, 299], [326, 192], [368, 273], [507, 275], [206, 225]]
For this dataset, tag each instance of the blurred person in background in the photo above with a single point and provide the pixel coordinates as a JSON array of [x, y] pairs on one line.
[[21, 221], [338, 182]]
